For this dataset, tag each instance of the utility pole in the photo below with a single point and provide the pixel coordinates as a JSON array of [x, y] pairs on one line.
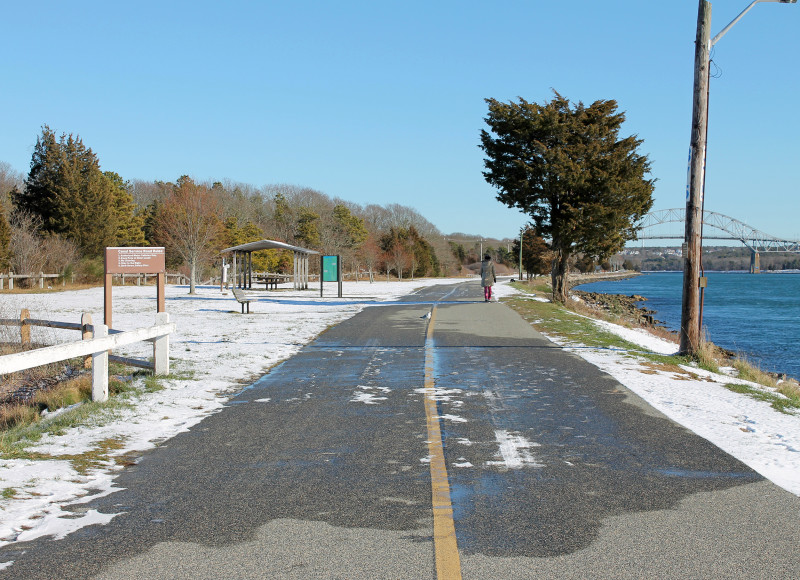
[[690, 307]]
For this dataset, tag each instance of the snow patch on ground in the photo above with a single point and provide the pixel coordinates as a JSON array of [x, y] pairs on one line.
[[514, 450], [641, 337]]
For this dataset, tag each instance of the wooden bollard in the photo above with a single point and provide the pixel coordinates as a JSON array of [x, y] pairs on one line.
[[24, 327]]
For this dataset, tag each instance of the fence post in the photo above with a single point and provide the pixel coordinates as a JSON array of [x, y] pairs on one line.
[[161, 347], [100, 367], [24, 327], [86, 334], [41, 280], [10, 280]]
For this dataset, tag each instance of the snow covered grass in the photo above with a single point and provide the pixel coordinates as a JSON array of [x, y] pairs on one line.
[[737, 415], [216, 350]]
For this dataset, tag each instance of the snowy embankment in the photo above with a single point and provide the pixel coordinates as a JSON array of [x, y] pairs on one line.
[[216, 349], [766, 440]]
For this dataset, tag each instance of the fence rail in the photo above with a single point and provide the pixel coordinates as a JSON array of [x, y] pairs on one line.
[[137, 279], [97, 343], [11, 276]]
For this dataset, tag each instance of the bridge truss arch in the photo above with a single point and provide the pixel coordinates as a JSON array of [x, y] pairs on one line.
[[754, 239]]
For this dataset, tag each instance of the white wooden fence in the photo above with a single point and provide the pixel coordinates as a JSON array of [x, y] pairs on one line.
[[98, 346]]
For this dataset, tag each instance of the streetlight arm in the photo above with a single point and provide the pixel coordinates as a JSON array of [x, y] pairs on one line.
[[738, 18]]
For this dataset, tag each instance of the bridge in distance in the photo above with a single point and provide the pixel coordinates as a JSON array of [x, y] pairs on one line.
[[733, 229]]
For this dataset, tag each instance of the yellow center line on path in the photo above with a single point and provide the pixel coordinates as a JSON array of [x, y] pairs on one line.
[[448, 563]]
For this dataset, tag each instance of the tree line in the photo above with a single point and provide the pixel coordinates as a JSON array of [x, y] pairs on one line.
[[715, 259], [66, 210]]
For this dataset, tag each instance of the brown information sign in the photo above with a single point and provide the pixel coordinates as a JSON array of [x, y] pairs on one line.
[[135, 261]]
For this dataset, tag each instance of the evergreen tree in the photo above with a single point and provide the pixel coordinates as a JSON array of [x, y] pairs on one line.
[[458, 252], [405, 248], [67, 190], [150, 223], [38, 195], [583, 186], [307, 233], [5, 240], [130, 223], [536, 256], [283, 219], [397, 253], [424, 261], [349, 230]]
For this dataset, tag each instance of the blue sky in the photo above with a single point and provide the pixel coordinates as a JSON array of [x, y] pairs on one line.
[[383, 101]]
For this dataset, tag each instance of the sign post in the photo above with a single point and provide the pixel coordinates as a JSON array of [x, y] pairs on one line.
[[330, 271], [134, 261]]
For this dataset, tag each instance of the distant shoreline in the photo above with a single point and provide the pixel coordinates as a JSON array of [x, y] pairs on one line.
[[576, 279], [722, 272]]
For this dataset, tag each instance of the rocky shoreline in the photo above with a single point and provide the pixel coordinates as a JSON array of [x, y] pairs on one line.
[[620, 305]]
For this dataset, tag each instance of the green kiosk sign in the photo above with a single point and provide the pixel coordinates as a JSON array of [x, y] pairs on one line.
[[331, 268]]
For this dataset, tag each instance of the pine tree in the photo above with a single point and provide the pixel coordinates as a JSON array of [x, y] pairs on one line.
[[307, 232], [348, 230], [283, 219]]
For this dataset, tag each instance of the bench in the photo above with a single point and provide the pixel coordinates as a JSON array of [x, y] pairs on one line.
[[241, 299]]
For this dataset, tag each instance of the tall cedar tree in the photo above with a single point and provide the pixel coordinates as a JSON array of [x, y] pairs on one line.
[[583, 186], [188, 223], [67, 190]]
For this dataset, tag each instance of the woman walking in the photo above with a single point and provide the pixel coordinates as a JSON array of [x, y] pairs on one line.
[[488, 277]]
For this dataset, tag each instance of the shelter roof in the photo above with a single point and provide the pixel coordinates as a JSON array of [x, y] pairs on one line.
[[268, 245]]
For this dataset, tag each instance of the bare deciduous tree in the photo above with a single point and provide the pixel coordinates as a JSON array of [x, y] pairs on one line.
[[188, 223], [9, 180], [59, 253], [27, 244]]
